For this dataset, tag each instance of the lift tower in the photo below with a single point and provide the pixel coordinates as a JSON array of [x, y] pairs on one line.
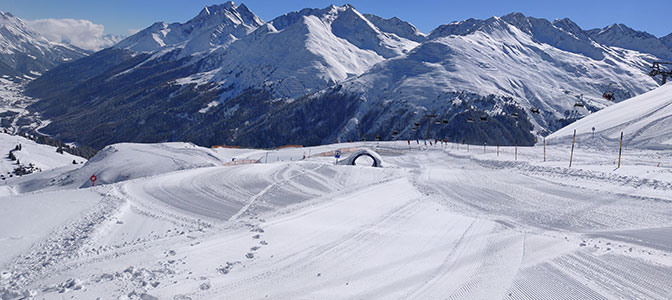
[[656, 70]]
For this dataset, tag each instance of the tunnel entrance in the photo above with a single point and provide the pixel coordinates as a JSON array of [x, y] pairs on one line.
[[365, 159]]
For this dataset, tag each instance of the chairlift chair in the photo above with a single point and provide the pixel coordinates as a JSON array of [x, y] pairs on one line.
[[514, 114], [470, 120], [484, 118], [609, 96], [534, 110], [445, 121], [394, 133], [579, 102], [609, 93]]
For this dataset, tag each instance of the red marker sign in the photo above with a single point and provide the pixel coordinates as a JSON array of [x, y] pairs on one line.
[[93, 179]]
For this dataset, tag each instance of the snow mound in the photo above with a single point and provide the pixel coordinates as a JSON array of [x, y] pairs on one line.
[[645, 120], [126, 161]]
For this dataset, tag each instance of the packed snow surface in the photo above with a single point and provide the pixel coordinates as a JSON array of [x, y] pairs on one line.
[[177, 221]]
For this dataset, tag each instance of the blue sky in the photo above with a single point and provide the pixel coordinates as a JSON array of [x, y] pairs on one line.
[[120, 16]]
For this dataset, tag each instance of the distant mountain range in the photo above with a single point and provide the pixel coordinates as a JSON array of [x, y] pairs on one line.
[[25, 54], [334, 74]]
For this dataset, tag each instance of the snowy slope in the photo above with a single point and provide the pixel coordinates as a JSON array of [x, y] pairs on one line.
[[26, 220], [25, 54], [42, 156], [645, 120], [432, 224]]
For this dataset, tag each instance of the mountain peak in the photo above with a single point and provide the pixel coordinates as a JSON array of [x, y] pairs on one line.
[[397, 26], [622, 36], [214, 9], [228, 11], [667, 40], [216, 25], [515, 15], [469, 26]]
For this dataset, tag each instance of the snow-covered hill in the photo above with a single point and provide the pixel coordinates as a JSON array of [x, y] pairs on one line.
[[25, 54], [645, 120], [122, 162], [21, 155]]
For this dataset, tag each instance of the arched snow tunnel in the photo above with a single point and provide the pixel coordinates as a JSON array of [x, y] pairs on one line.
[[363, 157]]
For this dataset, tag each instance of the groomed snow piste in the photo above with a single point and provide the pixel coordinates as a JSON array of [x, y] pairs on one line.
[[177, 221]]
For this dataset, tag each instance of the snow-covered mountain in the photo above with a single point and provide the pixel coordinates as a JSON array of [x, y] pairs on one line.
[[622, 36], [303, 52], [217, 25], [667, 40], [25, 54], [532, 61], [322, 75], [111, 39]]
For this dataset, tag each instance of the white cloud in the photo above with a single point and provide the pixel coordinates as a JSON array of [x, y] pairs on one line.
[[81, 33]]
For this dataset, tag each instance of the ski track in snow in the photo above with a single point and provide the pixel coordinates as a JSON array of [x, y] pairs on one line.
[[434, 224]]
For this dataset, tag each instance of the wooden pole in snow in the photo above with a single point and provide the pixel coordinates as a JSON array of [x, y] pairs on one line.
[[544, 148], [620, 148], [571, 154]]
